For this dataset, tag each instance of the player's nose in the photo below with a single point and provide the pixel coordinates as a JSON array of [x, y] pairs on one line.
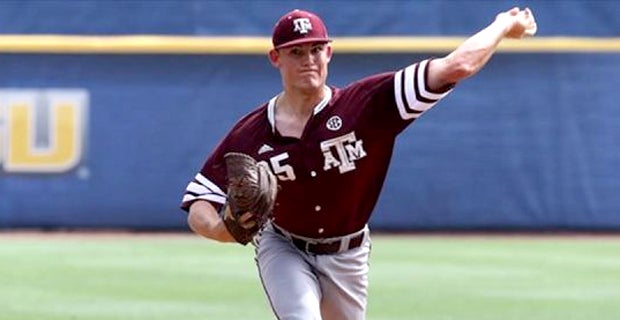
[[307, 58]]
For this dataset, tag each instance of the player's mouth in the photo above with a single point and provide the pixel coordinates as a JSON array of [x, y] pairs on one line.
[[308, 71]]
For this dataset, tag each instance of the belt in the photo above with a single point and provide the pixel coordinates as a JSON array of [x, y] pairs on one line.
[[320, 247]]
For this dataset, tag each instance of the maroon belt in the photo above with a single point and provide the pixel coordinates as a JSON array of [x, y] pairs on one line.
[[318, 248]]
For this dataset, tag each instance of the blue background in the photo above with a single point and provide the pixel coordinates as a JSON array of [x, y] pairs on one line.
[[530, 143]]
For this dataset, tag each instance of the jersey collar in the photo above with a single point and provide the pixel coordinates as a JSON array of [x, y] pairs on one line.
[[271, 108]]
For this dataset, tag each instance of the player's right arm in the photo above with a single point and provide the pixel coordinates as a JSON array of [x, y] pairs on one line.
[[475, 52]]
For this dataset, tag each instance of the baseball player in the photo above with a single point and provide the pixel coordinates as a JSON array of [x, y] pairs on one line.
[[329, 149]]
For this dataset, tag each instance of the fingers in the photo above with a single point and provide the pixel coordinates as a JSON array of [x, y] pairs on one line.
[[514, 11], [531, 26], [525, 13], [247, 220], [531, 30], [522, 23]]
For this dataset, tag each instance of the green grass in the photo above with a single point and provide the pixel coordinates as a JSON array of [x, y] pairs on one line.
[[495, 278], [430, 278]]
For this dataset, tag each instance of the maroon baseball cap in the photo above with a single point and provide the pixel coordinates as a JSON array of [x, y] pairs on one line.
[[298, 26]]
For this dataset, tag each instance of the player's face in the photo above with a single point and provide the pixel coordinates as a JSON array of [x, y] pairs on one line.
[[303, 67]]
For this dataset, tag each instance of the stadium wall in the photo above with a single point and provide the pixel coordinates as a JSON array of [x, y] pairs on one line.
[[109, 140]]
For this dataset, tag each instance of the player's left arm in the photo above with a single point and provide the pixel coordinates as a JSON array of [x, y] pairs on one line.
[[473, 53]]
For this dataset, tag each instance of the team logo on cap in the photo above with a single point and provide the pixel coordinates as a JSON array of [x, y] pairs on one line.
[[302, 25]]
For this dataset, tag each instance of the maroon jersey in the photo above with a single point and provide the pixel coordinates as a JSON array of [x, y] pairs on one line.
[[331, 177]]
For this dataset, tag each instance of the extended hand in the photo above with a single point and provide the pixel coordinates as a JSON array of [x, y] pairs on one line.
[[520, 23]]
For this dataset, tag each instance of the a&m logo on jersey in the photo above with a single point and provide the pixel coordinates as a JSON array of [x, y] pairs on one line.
[[42, 130], [342, 152], [302, 25]]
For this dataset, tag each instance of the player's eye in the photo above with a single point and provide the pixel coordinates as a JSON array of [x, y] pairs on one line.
[[296, 52]]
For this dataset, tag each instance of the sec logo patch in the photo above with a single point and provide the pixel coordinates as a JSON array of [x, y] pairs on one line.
[[334, 123]]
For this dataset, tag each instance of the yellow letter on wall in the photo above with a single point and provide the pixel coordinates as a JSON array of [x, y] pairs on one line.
[[43, 144]]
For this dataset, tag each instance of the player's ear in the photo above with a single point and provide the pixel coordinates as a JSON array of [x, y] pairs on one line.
[[274, 57], [328, 53]]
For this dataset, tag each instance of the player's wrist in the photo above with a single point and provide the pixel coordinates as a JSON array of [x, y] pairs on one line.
[[219, 232]]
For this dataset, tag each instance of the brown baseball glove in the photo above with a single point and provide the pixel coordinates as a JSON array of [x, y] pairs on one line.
[[252, 189]]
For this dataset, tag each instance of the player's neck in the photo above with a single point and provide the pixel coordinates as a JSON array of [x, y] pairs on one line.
[[293, 111], [299, 103]]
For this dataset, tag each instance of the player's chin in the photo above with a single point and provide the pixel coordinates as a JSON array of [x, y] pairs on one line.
[[310, 90], [310, 83]]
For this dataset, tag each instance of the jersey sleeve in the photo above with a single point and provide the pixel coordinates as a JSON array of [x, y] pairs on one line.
[[411, 92], [208, 184], [393, 100]]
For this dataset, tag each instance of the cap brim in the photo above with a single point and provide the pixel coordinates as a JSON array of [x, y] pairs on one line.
[[301, 41]]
